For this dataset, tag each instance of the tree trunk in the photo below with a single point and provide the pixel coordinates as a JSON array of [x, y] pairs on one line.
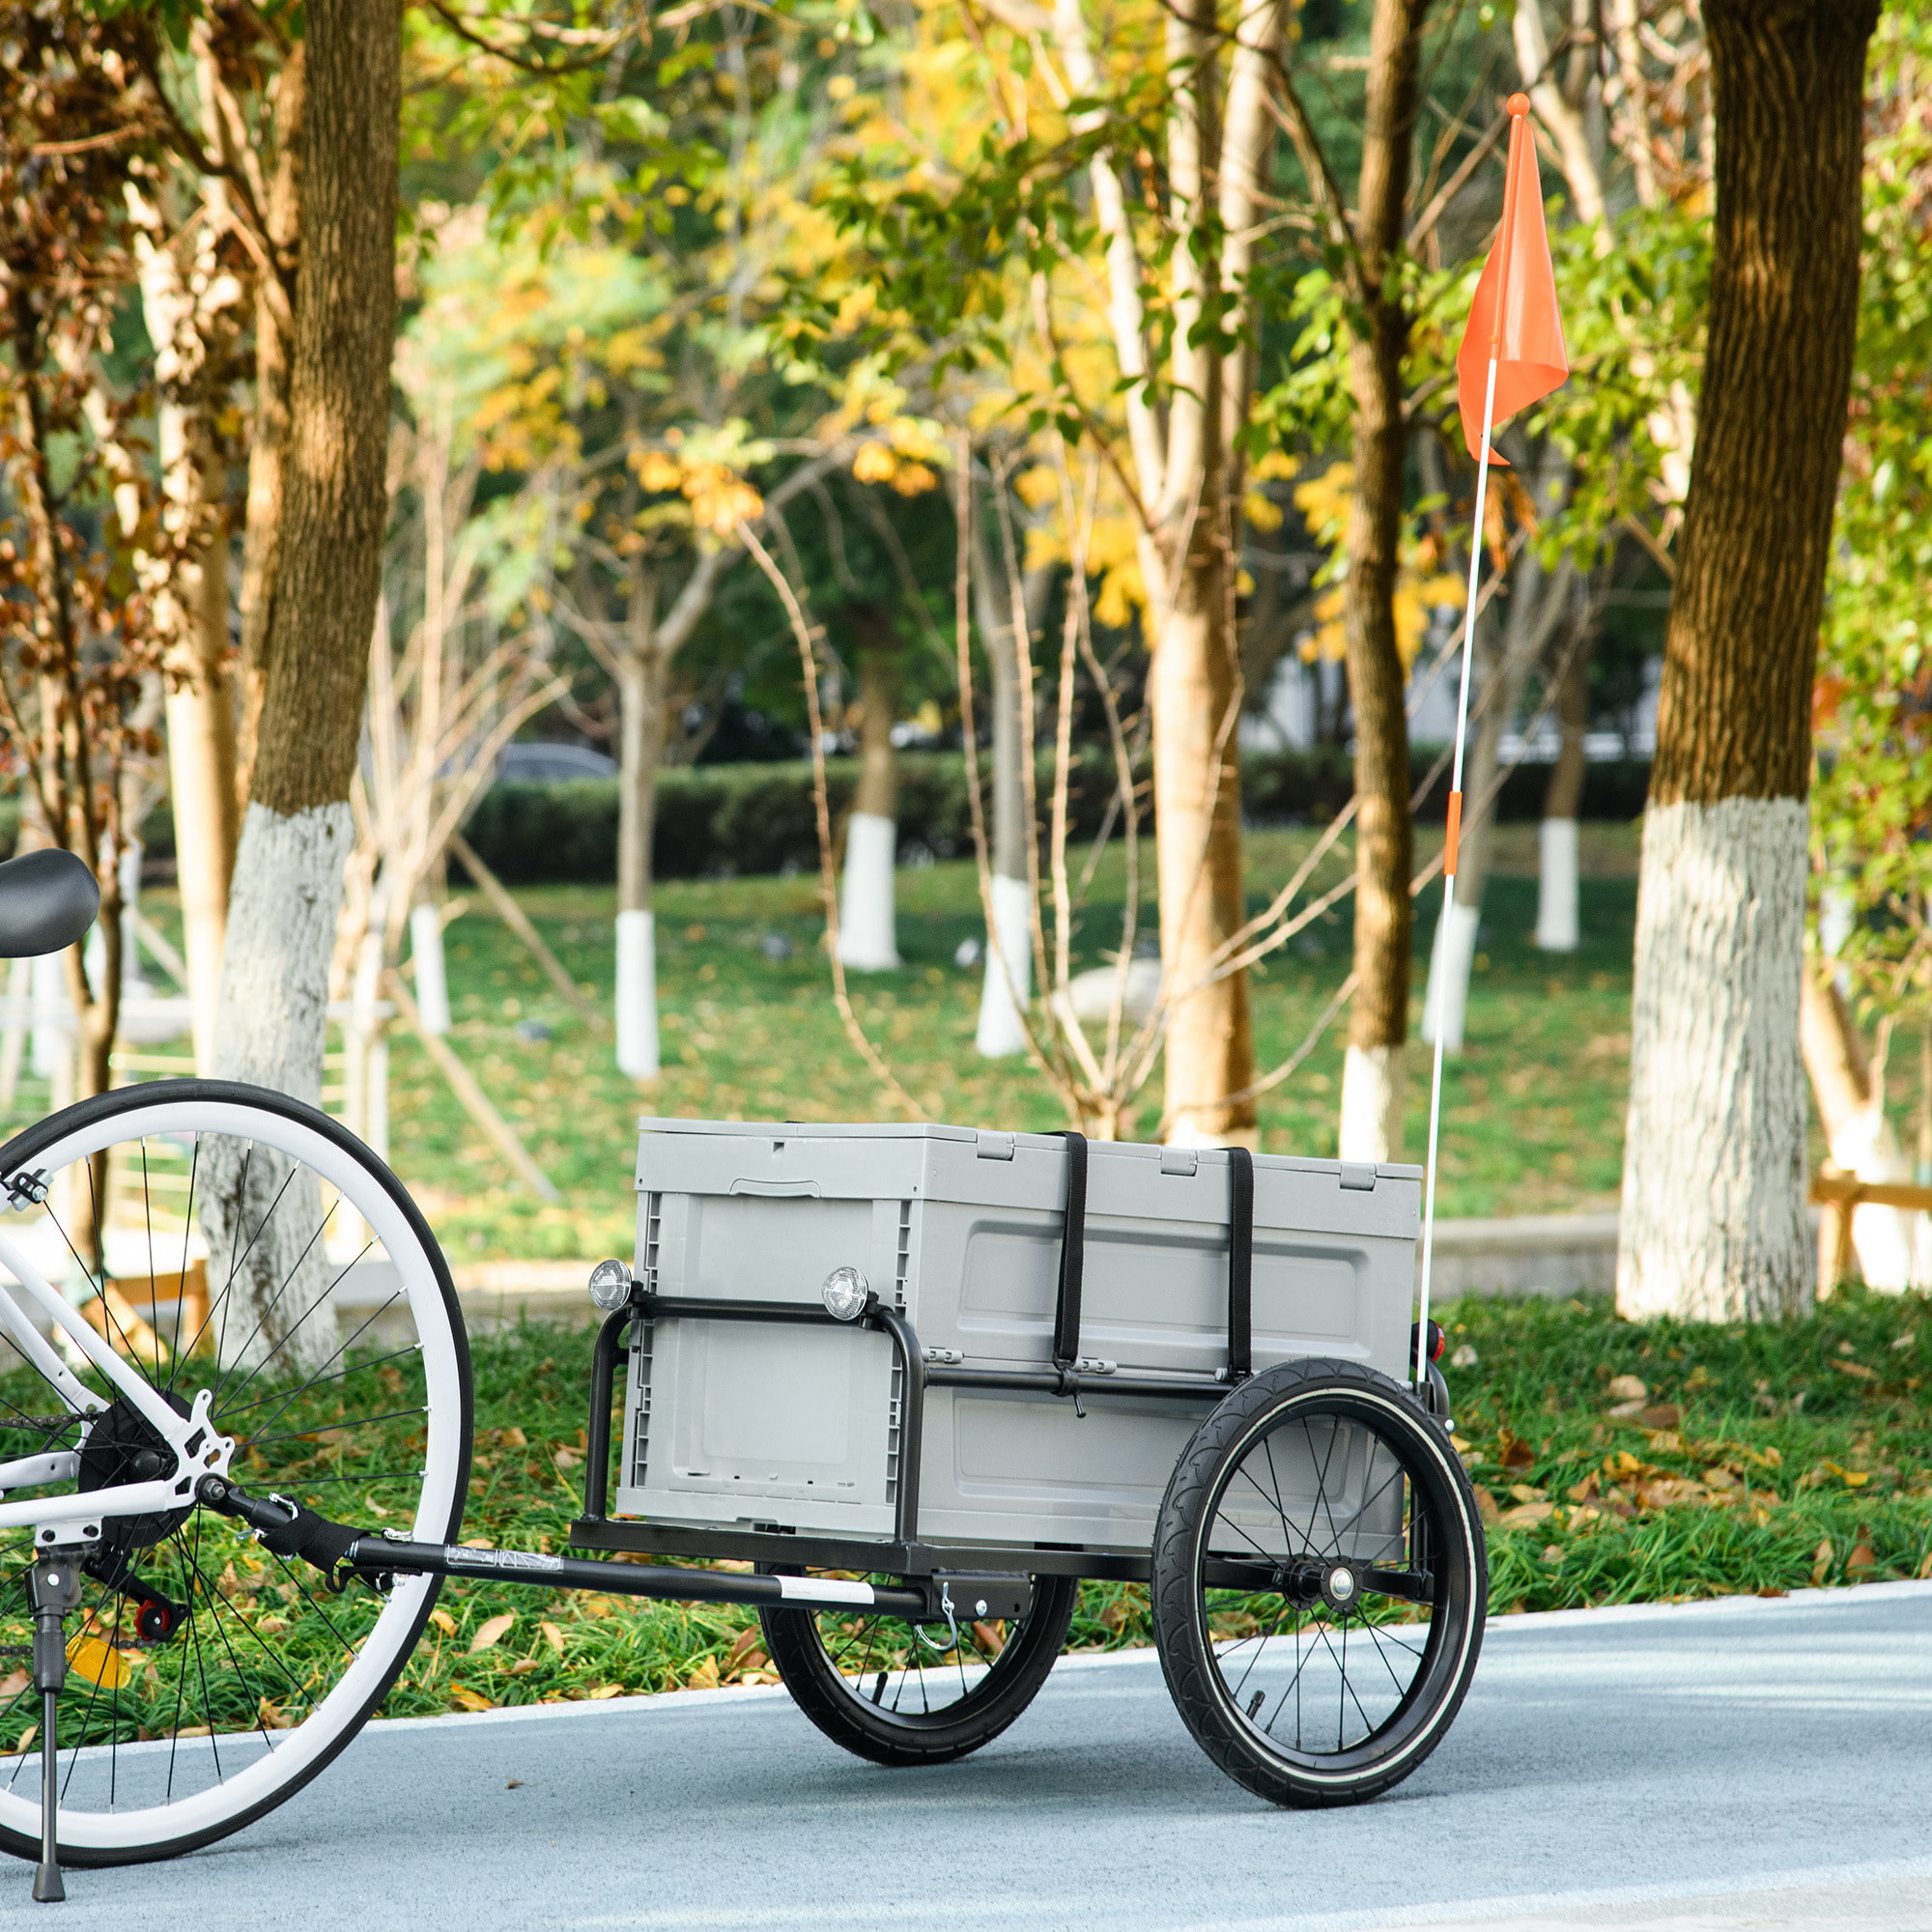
[[1008, 985], [1851, 1107], [1713, 1156], [1373, 1072], [867, 931], [1558, 924], [314, 658], [1193, 688], [640, 745], [277, 295]]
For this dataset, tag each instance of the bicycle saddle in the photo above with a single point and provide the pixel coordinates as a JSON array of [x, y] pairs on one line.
[[48, 899]]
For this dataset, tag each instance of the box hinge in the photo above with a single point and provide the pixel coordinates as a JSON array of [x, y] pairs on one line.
[[988, 1145], [1180, 1160], [1359, 1175]]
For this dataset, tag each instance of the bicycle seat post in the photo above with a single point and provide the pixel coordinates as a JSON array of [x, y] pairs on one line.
[[54, 1584]]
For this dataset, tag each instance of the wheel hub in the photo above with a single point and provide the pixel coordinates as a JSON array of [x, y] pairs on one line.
[[1332, 1581], [122, 1447]]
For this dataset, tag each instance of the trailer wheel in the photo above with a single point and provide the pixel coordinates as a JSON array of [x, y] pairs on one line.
[[1319, 1582], [902, 1696]]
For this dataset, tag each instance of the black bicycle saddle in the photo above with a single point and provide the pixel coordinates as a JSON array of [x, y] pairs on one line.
[[48, 899]]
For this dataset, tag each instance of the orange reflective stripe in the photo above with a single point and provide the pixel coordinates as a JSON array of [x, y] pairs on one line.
[[1454, 833]]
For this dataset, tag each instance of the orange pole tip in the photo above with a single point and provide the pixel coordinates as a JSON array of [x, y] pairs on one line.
[[1517, 104], [1454, 833]]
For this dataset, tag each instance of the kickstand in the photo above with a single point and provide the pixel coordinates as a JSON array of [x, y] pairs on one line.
[[54, 1584]]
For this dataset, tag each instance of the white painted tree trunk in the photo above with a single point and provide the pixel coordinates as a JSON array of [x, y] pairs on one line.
[[1446, 1006], [52, 1047], [1008, 984], [432, 982], [867, 931], [270, 1030], [1372, 1083], [1556, 886], [1713, 1224], [637, 995]]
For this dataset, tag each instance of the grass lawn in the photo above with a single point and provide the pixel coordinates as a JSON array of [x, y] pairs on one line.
[[1771, 1459], [1534, 1106]]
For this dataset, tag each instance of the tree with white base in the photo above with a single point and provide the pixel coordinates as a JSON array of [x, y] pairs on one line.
[[1558, 928], [299, 828], [867, 927], [1713, 1223]]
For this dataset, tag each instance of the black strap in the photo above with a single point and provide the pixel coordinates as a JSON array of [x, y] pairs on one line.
[[1240, 1263], [1072, 1254]]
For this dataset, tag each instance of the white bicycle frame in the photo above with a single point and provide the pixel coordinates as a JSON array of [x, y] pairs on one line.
[[59, 1521]]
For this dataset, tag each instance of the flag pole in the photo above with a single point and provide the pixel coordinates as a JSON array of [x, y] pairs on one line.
[[1517, 108]]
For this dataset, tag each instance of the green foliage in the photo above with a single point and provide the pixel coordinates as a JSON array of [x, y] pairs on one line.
[[1763, 1456]]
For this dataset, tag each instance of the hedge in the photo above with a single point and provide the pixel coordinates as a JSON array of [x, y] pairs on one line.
[[719, 820]]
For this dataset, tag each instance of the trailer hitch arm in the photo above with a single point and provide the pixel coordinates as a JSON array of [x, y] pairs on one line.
[[285, 1528]]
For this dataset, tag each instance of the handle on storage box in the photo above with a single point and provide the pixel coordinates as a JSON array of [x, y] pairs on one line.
[[784, 1190], [1240, 1264], [1072, 1254]]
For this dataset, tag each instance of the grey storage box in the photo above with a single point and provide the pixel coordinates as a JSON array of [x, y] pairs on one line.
[[762, 1425]]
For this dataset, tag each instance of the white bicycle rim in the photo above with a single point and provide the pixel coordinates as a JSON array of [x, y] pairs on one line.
[[284, 1759]]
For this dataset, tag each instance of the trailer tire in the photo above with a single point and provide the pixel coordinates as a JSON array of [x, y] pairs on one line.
[[836, 1699], [1254, 1609]]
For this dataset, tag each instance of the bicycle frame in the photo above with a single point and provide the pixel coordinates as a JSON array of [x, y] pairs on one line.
[[60, 1520]]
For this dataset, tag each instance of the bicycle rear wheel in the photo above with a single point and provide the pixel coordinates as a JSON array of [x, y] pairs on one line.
[[233, 1240]]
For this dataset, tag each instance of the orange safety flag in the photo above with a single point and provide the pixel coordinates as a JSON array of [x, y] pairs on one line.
[[1523, 330]]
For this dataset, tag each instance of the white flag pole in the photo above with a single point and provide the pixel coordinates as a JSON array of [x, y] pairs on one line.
[[1454, 828]]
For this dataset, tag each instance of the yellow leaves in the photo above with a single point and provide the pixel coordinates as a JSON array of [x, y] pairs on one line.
[[1856, 1369], [1420, 587], [704, 1677], [551, 1636], [1527, 1516], [899, 460], [603, 1692], [491, 1632], [1627, 1388], [658, 472], [1821, 1563], [469, 1699], [1261, 513], [271, 1717], [443, 1621], [874, 462]]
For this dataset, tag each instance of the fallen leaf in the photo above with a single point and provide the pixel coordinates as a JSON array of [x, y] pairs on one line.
[[1905, 1341], [1627, 1388], [1486, 1505], [477, 1543], [514, 1784], [271, 1717], [568, 1458], [524, 1666], [703, 1678], [1721, 1478], [603, 1691], [1859, 1369], [513, 1438], [1821, 1563], [1853, 1479], [1773, 1590], [1523, 1494], [1554, 1553], [1863, 1560], [27, 1737], [443, 1621], [1464, 1357], [1461, 1445], [748, 1640], [1526, 1516], [14, 1683], [1666, 1442], [490, 1633], [470, 1700], [551, 1636], [1661, 1416], [1623, 1409], [1924, 1565], [1581, 1492], [1513, 1453]]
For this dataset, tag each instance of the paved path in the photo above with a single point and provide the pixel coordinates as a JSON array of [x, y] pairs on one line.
[[1732, 1764]]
